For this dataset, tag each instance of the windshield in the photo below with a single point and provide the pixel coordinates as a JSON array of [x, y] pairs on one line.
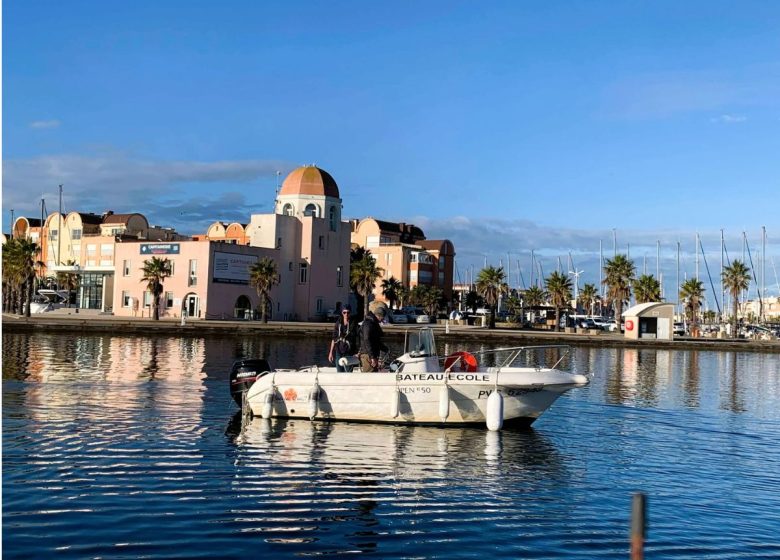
[[419, 342]]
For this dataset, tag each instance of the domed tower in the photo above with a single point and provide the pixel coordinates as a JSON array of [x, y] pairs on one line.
[[310, 191]]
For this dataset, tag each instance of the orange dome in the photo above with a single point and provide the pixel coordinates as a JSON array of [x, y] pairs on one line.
[[310, 180]]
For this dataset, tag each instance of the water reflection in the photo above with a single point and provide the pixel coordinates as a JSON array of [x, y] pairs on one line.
[[368, 474]]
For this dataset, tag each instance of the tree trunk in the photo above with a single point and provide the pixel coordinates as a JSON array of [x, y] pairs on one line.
[[619, 313], [28, 297], [735, 304], [156, 312], [557, 319], [263, 308]]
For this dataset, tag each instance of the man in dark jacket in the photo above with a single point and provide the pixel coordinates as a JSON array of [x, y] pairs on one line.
[[371, 338]]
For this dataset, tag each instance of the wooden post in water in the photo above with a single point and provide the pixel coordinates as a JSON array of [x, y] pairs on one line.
[[638, 526]]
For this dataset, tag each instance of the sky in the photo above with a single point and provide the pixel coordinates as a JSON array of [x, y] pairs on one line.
[[505, 127]]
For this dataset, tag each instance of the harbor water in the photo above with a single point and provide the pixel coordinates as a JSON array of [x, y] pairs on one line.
[[128, 447]]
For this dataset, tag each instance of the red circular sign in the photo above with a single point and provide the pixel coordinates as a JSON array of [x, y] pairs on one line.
[[629, 325]]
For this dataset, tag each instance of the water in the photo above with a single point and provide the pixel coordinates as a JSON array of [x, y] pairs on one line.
[[119, 447]]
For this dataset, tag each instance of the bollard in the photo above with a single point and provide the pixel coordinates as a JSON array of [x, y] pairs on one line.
[[447, 327], [638, 525]]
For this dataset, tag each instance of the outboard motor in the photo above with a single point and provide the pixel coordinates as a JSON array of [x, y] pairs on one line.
[[244, 373]]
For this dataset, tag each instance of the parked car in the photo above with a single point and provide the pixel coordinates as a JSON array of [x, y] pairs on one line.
[[423, 318], [679, 329], [397, 317], [416, 315], [587, 324]]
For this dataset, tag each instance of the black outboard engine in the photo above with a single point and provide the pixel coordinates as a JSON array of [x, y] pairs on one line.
[[243, 374]]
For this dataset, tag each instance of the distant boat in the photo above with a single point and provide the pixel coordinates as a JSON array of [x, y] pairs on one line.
[[49, 300]]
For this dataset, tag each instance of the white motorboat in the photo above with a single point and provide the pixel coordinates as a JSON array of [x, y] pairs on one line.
[[416, 388], [49, 300]]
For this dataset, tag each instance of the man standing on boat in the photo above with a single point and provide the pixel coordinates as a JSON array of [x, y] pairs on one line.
[[344, 341], [371, 344]]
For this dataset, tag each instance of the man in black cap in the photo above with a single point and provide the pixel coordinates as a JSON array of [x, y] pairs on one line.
[[371, 344], [344, 340]]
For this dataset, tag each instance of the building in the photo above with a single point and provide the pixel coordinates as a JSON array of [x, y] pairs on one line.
[[402, 251], [650, 320], [751, 310], [209, 279], [307, 239], [84, 244]]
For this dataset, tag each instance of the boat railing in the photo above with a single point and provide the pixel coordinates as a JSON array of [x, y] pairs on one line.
[[514, 352]]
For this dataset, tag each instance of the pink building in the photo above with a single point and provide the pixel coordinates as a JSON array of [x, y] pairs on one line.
[[402, 252], [209, 280], [305, 237]]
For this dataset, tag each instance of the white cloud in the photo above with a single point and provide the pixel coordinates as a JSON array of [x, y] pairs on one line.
[[729, 119], [54, 123], [170, 193]]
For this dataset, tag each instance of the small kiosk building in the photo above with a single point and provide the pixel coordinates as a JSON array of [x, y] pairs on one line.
[[650, 320]]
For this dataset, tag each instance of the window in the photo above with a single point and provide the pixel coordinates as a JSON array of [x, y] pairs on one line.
[[311, 210], [303, 270], [53, 234], [125, 299], [319, 305], [413, 275], [173, 265], [388, 258], [168, 299], [148, 299], [333, 217], [278, 242], [339, 276], [372, 241], [287, 210], [322, 241], [75, 234], [126, 268], [192, 277], [289, 266]]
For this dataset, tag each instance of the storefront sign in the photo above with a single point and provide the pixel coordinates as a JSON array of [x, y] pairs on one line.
[[232, 268], [159, 248]]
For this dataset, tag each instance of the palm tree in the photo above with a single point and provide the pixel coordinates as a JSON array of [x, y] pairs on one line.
[[618, 275], [647, 289], [19, 265], [363, 275], [534, 296], [559, 288], [491, 283], [514, 307], [473, 301], [390, 289], [588, 296], [155, 272], [263, 276], [692, 292], [68, 281], [428, 297], [736, 279]]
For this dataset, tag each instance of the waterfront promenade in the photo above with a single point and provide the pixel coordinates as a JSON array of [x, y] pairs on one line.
[[95, 323]]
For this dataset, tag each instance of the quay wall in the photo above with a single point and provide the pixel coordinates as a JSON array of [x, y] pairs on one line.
[[84, 323]]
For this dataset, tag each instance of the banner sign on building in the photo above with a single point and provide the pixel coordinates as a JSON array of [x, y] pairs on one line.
[[232, 268], [159, 248]]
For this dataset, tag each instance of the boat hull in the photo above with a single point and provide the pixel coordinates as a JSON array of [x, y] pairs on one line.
[[409, 398]]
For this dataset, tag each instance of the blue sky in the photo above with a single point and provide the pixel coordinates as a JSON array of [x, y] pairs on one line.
[[503, 126]]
